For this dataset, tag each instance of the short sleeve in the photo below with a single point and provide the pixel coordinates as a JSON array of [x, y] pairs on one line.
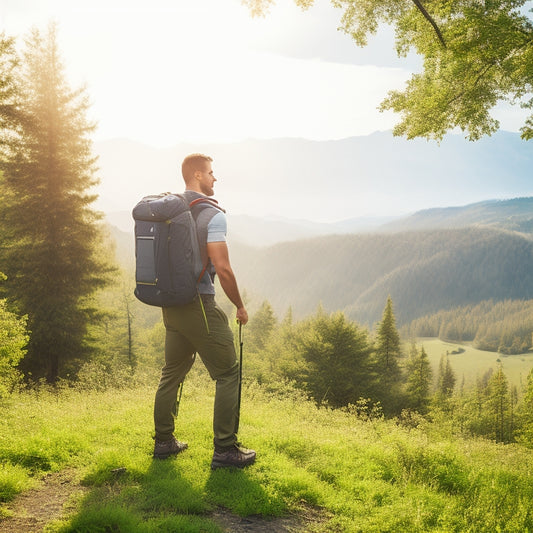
[[217, 228]]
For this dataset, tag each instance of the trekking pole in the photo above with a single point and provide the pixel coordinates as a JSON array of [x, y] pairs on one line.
[[180, 392], [178, 400], [240, 381]]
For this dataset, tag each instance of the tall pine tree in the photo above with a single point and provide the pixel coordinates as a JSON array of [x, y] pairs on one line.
[[418, 379], [9, 94], [262, 325], [387, 362], [499, 406], [51, 261], [446, 378]]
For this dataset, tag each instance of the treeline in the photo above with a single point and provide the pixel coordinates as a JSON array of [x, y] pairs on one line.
[[340, 364], [505, 326], [423, 272]]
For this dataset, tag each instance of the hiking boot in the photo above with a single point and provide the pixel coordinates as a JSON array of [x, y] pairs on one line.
[[232, 456], [166, 448]]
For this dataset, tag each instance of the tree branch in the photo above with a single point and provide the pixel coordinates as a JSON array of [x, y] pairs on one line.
[[429, 18]]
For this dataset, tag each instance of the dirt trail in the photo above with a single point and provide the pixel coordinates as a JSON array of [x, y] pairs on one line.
[[33, 509], [300, 523]]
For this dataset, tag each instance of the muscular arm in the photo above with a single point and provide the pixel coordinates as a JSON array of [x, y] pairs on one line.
[[218, 253]]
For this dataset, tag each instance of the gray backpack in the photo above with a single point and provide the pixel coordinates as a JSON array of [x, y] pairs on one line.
[[169, 262]]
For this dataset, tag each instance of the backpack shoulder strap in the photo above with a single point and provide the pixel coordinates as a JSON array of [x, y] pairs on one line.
[[207, 202], [203, 210]]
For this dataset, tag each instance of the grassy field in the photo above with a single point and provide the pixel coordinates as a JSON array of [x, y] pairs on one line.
[[472, 363], [350, 475]]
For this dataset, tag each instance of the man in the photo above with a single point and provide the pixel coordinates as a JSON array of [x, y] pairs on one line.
[[202, 327]]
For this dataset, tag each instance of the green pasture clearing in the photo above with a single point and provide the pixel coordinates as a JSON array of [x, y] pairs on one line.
[[356, 476], [471, 363]]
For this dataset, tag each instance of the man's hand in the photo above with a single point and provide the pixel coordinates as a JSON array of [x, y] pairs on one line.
[[242, 315]]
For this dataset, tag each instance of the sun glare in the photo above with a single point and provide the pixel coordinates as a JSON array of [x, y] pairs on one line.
[[164, 72]]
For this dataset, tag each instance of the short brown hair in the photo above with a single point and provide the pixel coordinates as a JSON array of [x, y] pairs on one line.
[[192, 163]]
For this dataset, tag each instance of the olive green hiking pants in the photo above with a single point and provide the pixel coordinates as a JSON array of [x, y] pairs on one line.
[[187, 333]]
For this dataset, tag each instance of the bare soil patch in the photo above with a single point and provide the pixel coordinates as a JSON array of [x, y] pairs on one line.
[[33, 509], [306, 520]]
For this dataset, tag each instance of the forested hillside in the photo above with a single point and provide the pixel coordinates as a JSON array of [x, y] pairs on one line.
[[505, 326], [423, 272]]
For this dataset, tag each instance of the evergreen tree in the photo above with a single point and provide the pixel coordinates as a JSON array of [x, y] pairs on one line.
[[387, 354], [446, 378], [9, 94], [499, 405], [261, 325], [388, 347], [288, 318], [332, 357], [51, 259], [418, 379], [525, 414], [10, 118]]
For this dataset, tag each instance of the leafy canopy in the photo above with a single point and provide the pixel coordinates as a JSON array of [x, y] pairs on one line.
[[476, 53]]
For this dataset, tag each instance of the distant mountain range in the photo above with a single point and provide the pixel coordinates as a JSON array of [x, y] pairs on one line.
[[515, 214], [329, 181]]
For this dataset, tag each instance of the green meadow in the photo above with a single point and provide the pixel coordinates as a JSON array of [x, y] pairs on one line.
[[351, 474], [470, 364]]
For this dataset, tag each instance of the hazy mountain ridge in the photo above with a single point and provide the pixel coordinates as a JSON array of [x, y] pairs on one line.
[[514, 214], [265, 231], [328, 180]]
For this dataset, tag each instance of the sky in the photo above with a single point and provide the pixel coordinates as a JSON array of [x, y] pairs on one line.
[[167, 71], [163, 72]]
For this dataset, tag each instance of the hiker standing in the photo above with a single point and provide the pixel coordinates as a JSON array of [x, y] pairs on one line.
[[202, 327]]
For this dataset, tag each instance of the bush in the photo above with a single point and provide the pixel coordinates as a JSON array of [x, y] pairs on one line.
[[13, 339]]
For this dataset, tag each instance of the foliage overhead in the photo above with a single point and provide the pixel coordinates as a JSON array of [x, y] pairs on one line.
[[475, 54]]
